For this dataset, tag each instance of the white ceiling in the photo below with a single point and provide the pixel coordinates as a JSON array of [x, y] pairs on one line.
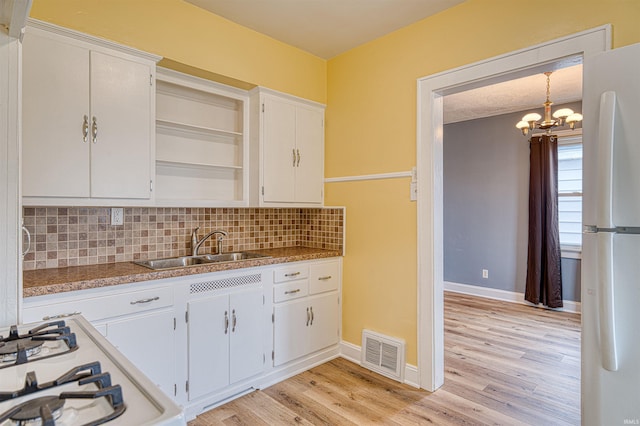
[[515, 95], [327, 28]]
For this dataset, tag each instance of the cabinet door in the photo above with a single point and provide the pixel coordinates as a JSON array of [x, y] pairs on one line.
[[121, 117], [290, 331], [324, 327], [149, 342], [279, 150], [55, 99], [309, 144], [208, 334], [246, 349]]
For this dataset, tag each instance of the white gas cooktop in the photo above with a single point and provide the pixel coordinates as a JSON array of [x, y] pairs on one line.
[[65, 373]]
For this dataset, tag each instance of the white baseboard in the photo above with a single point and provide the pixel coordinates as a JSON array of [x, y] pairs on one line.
[[351, 352], [507, 296]]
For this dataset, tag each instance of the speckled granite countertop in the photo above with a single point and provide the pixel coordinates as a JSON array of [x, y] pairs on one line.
[[48, 281]]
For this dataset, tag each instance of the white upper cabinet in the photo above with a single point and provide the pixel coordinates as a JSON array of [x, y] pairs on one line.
[[287, 150], [88, 109]]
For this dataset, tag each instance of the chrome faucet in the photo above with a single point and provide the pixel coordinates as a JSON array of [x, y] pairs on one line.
[[195, 243]]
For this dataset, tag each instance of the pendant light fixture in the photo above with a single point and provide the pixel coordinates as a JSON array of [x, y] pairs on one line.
[[559, 118]]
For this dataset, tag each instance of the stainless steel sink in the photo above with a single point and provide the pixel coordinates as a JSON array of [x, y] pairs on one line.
[[232, 257], [185, 261]]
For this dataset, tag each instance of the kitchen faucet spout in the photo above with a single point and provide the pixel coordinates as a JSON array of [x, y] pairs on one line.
[[196, 243]]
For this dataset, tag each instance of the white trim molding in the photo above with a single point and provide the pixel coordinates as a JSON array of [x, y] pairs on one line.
[[505, 296], [376, 176], [431, 91], [352, 353]]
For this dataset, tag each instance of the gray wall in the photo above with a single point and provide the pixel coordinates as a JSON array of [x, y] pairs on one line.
[[486, 186]]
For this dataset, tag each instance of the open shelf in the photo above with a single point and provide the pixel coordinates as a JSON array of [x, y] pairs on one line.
[[169, 163], [201, 141], [188, 128]]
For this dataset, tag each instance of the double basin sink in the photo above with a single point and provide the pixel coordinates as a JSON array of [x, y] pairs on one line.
[[202, 259]]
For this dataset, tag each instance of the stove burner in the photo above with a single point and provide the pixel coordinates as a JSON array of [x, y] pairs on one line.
[[17, 348], [45, 409], [9, 350]]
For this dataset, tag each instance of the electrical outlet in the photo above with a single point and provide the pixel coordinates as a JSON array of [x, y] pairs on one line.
[[117, 216], [485, 273]]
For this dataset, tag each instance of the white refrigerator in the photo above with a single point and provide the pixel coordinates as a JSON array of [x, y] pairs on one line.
[[611, 239]]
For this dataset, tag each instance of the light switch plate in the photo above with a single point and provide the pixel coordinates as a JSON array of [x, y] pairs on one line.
[[414, 191]]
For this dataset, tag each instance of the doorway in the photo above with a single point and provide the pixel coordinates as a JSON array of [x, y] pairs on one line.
[[431, 91]]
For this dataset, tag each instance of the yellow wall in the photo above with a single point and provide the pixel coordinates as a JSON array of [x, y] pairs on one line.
[[371, 97], [371, 128], [186, 34]]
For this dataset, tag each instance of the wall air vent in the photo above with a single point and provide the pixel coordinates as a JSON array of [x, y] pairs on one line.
[[383, 354]]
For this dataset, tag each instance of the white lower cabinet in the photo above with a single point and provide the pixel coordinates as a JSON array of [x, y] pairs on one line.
[[138, 320], [225, 340], [148, 341], [306, 310], [304, 326]]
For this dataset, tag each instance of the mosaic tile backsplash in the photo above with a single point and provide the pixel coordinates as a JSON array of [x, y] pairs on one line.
[[71, 236]]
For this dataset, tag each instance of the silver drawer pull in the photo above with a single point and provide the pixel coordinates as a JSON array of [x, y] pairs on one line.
[[94, 130], [292, 274], [311, 310], [85, 128], [151, 299], [326, 277], [69, 314], [297, 290]]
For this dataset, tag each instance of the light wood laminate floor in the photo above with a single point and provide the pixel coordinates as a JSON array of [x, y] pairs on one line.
[[505, 364]]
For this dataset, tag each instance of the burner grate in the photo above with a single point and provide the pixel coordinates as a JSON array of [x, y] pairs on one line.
[[47, 409], [18, 348]]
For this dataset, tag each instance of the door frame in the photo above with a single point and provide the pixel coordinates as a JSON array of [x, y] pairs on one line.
[[430, 94]]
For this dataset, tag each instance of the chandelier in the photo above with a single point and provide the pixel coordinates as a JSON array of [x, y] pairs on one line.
[[561, 117]]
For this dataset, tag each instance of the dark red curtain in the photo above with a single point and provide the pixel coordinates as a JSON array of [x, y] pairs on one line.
[[544, 277]]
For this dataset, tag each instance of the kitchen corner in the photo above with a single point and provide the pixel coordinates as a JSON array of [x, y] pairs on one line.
[[215, 323]]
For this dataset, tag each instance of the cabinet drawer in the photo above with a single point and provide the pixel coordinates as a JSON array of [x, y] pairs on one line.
[[324, 277], [281, 275], [289, 291], [107, 306]]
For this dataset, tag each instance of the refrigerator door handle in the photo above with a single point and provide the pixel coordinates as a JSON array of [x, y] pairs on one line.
[[606, 130], [606, 306]]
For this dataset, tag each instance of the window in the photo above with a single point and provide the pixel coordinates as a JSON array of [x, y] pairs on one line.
[[570, 192]]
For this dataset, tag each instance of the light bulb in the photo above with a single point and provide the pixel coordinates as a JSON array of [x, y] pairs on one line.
[[524, 126], [562, 113], [531, 117], [574, 117]]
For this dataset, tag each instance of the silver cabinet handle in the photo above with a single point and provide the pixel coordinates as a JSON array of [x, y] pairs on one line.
[[68, 314], [226, 322], [234, 321], [308, 317], [326, 277], [294, 157], [151, 299], [311, 309], [94, 129], [85, 128], [292, 274], [298, 151], [26, 231], [297, 290]]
